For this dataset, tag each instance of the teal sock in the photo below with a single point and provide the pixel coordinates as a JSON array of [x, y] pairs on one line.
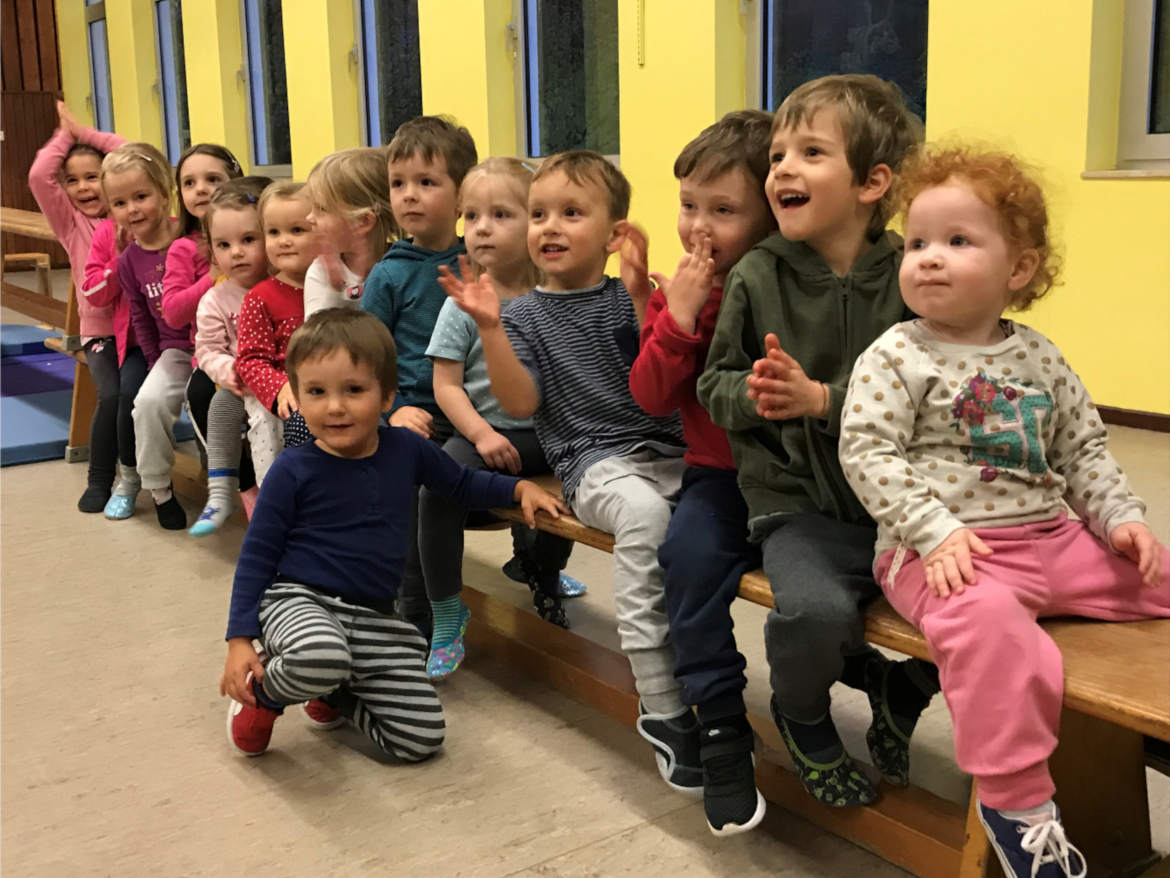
[[446, 620]]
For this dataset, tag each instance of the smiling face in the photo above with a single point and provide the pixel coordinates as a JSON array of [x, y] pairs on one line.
[[424, 200], [199, 177], [495, 223], [237, 245], [729, 209], [959, 272], [81, 179], [136, 205], [341, 402], [570, 231], [288, 236]]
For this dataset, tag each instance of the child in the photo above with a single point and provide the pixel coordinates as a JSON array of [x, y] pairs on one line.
[[328, 634], [65, 179], [494, 203], [231, 226], [824, 288], [272, 311], [965, 434], [722, 213], [350, 194], [562, 353], [137, 185], [426, 162]]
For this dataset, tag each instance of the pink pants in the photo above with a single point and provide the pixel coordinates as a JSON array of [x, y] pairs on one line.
[[1001, 674]]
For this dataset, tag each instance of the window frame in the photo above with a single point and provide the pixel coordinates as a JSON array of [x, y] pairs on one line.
[[95, 11], [167, 91], [367, 71], [1137, 148], [251, 84]]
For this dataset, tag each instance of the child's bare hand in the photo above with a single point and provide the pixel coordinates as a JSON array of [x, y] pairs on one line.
[[241, 659], [476, 297], [949, 568], [1137, 542], [780, 388], [66, 119], [498, 453], [233, 383], [635, 252], [286, 402], [415, 419], [532, 497], [687, 292]]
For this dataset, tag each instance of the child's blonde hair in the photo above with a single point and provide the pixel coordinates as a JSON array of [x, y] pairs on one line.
[[1007, 186], [282, 190], [519, 177], [145, 158], [359, 333], [352, 181]]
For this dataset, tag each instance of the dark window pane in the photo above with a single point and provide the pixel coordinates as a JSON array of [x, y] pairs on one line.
[[99, 67], [571, 49], [811, 38], [176, 127], [269, 91], [393, 73], [1160, 76]]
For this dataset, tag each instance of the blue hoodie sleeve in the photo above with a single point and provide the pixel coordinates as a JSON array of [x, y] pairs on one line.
[[380, 297]]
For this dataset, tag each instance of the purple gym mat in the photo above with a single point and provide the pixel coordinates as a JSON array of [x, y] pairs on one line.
[[35, 373]]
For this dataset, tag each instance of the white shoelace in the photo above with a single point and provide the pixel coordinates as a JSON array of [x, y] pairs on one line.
[[1046, 842]]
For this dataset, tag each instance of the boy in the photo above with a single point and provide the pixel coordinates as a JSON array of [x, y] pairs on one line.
[[426, 162], [561, 354], [722, 214], [325, 548], [797, 311]]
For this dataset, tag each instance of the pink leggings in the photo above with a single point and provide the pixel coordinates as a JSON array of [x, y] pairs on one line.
[[1001, 674]]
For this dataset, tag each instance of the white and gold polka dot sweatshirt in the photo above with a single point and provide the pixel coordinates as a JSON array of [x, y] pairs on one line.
[[936, 436]]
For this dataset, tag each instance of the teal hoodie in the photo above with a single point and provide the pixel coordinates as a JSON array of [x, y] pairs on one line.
[[403, 291], [824, 322]]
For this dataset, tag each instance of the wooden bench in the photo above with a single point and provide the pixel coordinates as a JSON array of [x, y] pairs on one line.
[[1117, 689]]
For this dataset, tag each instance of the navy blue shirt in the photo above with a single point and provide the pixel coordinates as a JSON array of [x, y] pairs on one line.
[[341, 525]]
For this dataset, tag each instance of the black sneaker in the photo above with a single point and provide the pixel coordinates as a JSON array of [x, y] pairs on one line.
[[730, 798], [171, 514], [94, 499], [675, 738]]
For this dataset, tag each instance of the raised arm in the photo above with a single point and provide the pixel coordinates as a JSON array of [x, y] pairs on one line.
[[44, 181]]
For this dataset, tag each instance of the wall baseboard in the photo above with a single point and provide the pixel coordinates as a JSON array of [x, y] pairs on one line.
[[1133, 418]]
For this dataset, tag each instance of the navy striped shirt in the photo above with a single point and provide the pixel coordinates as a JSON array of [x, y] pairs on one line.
[[579, 346]]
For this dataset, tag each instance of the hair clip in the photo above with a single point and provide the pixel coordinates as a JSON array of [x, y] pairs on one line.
[[528, 167], [251, 198], [144, 157]]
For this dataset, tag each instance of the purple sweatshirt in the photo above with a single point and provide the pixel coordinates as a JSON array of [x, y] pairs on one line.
[[140, 274]]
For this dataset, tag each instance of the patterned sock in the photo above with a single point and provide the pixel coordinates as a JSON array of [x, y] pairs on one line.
[[446, 620], [222, 487], [129, 484]]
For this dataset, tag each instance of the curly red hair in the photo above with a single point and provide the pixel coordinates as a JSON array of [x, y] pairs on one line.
[[1007, 186]]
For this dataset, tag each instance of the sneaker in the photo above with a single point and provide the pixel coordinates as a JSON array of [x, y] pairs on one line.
[[730, 798], [119, 507], [567, 586], [323, 715], [675, 739], [1026, 851], [443, 660], [249, 729], [839, 783], [94, 499]]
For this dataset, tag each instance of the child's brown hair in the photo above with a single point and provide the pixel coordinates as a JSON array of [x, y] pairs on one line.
[[1007, 186], [237, 194], [187, 221], [430, 136], [584, 167], [359, 333]]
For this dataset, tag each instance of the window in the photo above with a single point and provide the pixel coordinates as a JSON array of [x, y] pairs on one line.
[[172, 76], [391, 74], [569, 78], [267, 87], [803, 39], [1143, 137], [101, 93]]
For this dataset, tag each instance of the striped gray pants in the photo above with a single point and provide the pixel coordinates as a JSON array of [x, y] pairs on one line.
[[317, 643]]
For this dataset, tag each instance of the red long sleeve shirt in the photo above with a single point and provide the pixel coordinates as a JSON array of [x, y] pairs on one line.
[[271, 312], [663, 378]]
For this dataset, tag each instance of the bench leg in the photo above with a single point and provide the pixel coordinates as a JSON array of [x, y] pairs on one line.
[[977, 859], [81, 414]]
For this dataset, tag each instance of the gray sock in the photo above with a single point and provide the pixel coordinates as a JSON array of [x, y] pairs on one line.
[[129, 484]]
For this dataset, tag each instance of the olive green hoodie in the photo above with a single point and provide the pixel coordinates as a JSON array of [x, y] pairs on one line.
[[824, 322]]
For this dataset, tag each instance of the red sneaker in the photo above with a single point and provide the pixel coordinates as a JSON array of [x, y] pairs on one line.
[[249, 729], [323, 716]]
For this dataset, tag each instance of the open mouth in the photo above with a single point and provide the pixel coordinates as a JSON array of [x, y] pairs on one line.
[[790, 200], [553, 250]]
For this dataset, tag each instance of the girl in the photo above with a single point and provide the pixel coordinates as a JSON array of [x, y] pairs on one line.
[[271, 312], [137, 184], [65, 179], [350, 195], [231, 226], [201, 170], [964, 434], [494, 202]]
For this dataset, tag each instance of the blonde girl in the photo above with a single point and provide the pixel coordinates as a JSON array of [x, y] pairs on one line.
[[350, 195], [65, 179], [494, 202], [231, 226]]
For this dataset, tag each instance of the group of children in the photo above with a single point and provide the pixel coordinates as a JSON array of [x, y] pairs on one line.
[[808, 392]]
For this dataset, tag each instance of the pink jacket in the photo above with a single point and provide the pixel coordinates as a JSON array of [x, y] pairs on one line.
[[73, 228], [99, 290], [185, 281], [217, 333]]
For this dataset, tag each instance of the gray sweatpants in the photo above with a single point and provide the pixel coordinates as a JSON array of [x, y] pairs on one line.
[[375, 662], [632, 498], [156, 408]]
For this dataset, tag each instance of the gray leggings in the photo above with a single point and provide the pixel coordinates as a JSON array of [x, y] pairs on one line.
[[225, 419], [111, 432], [441, 523]]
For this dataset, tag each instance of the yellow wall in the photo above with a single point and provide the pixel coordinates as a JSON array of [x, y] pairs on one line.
[[75, 82], [216, 97], [1027, 88], [133, 69]]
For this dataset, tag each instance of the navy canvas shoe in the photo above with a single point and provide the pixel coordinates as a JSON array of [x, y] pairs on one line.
[[1026, 851]]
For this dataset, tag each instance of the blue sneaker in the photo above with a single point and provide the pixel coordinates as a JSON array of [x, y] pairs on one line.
[[1025, 851], [568, 587], [120, 507]]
